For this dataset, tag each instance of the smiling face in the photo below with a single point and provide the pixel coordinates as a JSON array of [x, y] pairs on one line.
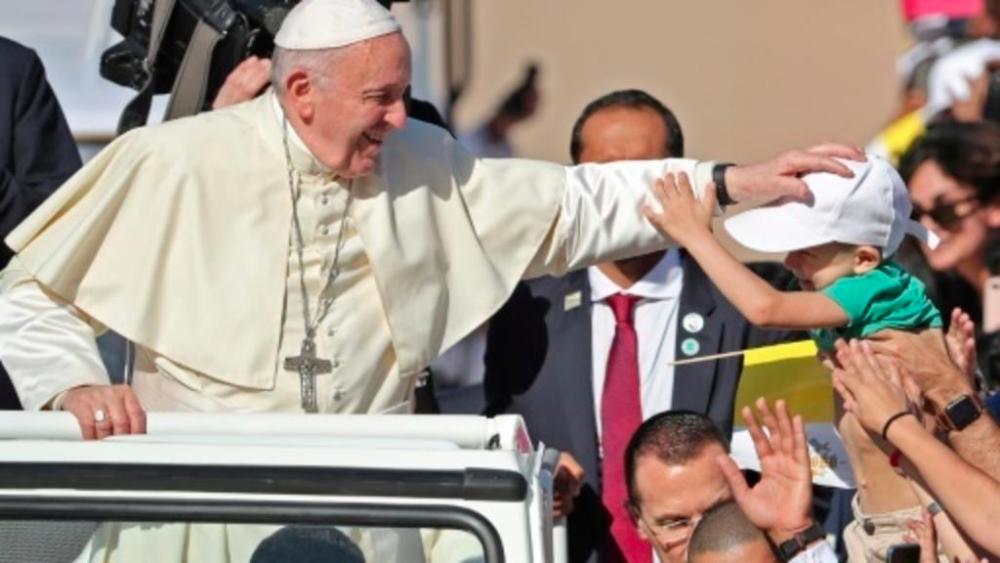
[[965, 236], [819, 266], [344, 112], [677, 495]]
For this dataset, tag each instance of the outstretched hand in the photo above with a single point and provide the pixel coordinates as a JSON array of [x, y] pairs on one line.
[[781, 502], [681, 216], [782, 175]]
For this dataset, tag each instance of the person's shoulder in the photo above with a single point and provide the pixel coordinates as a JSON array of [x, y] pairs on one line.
[[16, 59], [216, 129]]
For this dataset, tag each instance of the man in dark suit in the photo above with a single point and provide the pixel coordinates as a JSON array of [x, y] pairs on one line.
[[554, 356], [37, 151]]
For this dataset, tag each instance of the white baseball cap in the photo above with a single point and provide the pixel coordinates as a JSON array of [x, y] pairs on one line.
[[872, 208], [326, 24]]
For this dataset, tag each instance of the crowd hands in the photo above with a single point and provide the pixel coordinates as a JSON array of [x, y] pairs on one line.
[[893, 398], [889, 385], [895, 385]]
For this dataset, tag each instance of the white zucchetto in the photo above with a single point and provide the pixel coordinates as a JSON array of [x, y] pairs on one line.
[[326, 24]]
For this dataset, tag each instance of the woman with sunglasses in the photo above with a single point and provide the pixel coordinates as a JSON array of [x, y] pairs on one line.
[[953, 174]]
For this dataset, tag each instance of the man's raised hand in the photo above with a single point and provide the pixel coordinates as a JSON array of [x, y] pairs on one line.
[[781, 502]]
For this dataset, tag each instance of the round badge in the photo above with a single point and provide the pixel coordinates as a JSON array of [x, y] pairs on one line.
[[693, 322], [690, 346]]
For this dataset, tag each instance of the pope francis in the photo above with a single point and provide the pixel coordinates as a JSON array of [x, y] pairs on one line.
[[311, 250]]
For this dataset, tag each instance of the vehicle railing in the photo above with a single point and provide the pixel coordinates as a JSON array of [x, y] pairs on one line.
[[505, 432]]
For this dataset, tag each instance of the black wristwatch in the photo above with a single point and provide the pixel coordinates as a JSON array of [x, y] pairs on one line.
[[722, 196], [960, 413], [802, 540]]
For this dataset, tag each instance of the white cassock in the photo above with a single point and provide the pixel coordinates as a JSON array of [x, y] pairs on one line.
[[179, 237]]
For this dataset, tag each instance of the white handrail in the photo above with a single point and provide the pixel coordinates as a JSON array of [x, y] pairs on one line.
[[468, 432]]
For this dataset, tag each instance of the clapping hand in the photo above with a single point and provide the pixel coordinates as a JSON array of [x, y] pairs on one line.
[[781, 502], [871, 389], [961, 341]]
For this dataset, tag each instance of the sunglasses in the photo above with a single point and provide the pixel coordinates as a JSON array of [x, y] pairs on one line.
[[945, 213]]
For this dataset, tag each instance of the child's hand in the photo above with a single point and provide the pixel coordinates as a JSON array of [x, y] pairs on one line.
[[682, 218]]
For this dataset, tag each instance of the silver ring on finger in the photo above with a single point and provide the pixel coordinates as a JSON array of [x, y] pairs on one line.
[[100, 416]]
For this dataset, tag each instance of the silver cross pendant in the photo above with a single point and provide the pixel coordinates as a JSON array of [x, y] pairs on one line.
[[308, 367]]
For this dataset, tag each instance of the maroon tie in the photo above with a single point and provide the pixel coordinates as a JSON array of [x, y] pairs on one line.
[[621, 414]]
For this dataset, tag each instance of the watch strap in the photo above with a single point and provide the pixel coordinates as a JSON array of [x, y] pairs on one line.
[[722, 196], [802, 540], [952, 417]]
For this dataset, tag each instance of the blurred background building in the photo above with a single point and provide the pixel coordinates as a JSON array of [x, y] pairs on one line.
[[747, 79]]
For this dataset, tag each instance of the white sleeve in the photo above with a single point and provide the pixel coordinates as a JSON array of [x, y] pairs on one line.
[[47, 345], [601, 213], [819, 552]]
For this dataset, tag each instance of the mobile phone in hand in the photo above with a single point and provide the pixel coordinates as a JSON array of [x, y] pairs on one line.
[[903, 553]]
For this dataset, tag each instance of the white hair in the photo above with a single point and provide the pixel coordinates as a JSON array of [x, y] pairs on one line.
[[316, 62]]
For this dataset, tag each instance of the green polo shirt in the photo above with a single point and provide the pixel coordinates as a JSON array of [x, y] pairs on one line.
[[886, 297]]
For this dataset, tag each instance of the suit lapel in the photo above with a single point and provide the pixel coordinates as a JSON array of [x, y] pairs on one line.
[[693, 382]]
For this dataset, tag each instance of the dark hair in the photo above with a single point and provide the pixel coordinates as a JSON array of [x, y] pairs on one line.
[[721, 529], [674, 437], [635, 99], [295, 544], [968, 152]]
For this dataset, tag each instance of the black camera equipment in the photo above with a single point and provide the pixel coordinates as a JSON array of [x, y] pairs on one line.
[[186, 48]]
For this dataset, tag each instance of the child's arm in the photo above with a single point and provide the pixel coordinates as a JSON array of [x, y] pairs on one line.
[[688, 222]]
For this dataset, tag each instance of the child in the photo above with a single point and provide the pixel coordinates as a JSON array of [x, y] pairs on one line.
[[840, 245]]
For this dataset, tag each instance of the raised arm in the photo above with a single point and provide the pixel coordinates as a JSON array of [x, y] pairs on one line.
[[688, 222], [601, 218]]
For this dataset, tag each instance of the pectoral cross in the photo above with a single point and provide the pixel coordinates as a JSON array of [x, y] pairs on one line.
[[308, 366]]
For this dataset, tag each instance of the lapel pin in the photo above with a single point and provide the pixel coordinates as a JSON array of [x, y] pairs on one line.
[[693, 322], [690, 347], [572, 301]]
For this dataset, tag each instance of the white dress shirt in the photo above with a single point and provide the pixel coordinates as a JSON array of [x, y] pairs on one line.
[[655, 321]]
